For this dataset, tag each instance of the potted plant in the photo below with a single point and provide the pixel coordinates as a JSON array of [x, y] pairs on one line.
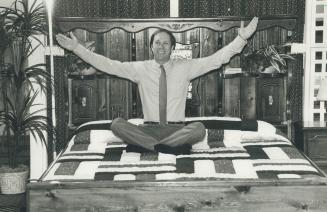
[[21, 24], [270, 59]]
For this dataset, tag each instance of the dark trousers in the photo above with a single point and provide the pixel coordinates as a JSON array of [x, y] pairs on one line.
[[148, 135]]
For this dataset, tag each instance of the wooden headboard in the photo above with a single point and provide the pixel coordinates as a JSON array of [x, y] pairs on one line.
[[103, 25]]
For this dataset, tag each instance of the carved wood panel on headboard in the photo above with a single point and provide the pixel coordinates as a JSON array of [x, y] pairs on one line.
[[128, 39]]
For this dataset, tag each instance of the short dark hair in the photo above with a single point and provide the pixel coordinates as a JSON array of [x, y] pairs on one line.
[[171, 36]]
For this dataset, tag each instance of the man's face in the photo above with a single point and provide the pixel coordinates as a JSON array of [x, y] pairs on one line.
[[161, 47]]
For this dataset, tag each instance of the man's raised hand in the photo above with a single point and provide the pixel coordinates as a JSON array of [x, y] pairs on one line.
[[247, 32], [69, 43]]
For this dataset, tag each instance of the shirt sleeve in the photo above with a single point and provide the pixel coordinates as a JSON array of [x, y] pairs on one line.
[[200, 66], [114, 67]]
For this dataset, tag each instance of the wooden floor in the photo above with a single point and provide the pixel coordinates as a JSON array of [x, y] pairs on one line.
[[13, 202]]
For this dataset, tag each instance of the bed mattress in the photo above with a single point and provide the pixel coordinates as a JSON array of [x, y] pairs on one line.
[[232, 149]]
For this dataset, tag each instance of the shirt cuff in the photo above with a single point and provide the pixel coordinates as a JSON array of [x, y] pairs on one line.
[[238, 44], [242, 37]]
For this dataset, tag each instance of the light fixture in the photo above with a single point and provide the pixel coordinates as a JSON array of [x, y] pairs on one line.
[[322, 93], [49, 5]]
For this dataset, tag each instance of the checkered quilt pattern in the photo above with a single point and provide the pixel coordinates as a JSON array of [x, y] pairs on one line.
[[232, 149]]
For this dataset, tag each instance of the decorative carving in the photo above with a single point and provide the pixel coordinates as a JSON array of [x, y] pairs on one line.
[[177, 27], [220, 23], [172, 24]]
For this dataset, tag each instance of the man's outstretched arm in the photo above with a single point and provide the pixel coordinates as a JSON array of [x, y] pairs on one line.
[[203, 65], [100, 62]]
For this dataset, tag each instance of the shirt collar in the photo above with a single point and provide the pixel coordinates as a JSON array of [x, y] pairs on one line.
[[166, 65]]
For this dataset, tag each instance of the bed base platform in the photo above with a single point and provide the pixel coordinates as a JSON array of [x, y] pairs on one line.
[[180, 196]]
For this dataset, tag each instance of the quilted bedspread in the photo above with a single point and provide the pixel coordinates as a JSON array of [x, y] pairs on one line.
[[232, 149]]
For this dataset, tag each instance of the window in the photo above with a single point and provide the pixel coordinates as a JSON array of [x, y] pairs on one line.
[[318, 67], [318, 55], [319, 22], [319, 8], [316, 64], [315, 92], [319, 36], [316, 105], [316, 117]]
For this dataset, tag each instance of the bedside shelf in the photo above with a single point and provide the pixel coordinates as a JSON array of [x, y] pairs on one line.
[[315, 142]]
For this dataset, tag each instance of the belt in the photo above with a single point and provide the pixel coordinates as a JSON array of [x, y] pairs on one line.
[[169, 122]]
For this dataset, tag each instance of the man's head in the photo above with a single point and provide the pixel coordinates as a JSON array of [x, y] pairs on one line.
[[162, 42]]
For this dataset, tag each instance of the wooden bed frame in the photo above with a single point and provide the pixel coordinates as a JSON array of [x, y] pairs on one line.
[[102, 25], [201, 195]]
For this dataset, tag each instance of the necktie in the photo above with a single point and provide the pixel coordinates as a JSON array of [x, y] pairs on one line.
[[162, 96]]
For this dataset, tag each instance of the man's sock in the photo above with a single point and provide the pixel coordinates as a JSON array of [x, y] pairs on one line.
[[184, 149], [135, 148]]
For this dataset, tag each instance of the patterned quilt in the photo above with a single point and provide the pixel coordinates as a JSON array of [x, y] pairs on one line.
[[232, 149]]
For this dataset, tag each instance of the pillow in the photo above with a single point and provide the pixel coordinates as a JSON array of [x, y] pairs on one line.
[[265, 127], [202, 118], [94, 125], [95, 132], [226, 123], [136, 121]]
